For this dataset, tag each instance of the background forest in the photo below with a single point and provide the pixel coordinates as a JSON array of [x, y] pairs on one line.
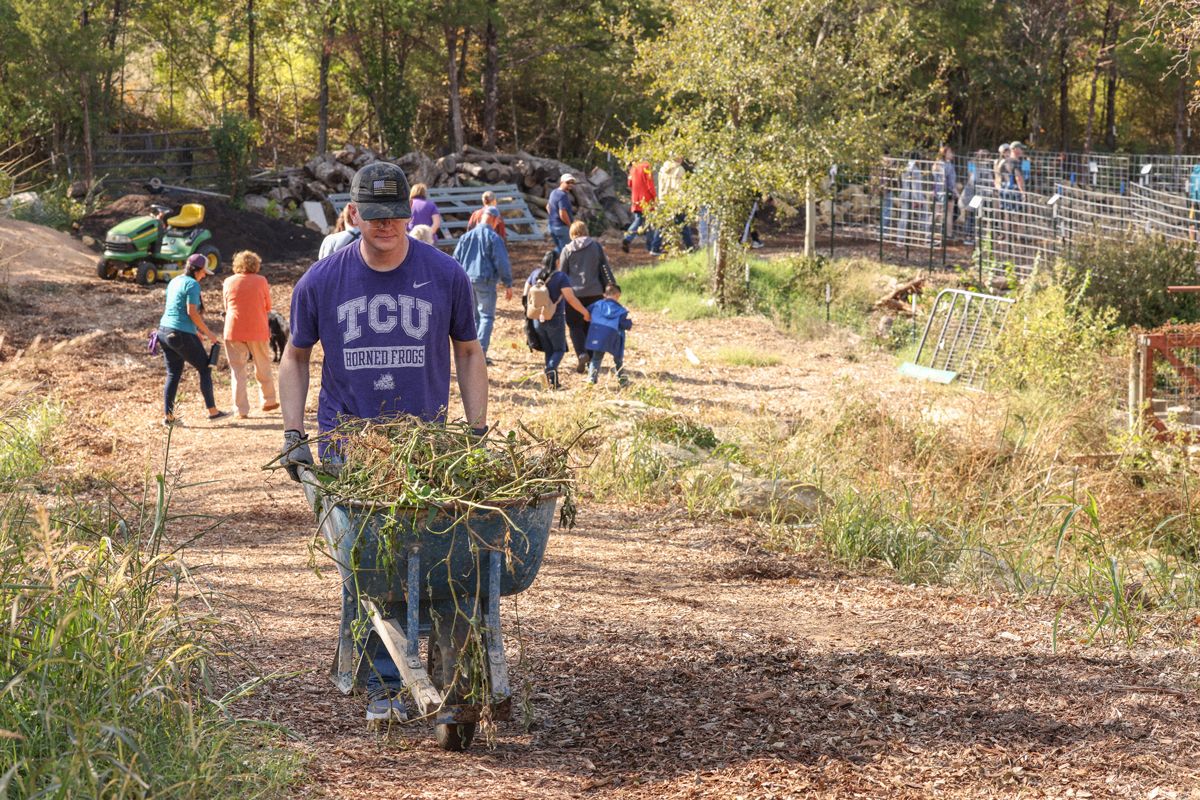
[[549, 78]]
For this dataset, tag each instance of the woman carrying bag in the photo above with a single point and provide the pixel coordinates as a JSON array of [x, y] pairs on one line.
[[179, 333]]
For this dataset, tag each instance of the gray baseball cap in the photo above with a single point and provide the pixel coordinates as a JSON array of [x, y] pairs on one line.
[[380, 191]]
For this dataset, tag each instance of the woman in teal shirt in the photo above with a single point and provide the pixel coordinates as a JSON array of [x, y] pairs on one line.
[[179, 333]]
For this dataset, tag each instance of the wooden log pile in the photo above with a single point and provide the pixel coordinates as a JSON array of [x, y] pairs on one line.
[[594, 194]]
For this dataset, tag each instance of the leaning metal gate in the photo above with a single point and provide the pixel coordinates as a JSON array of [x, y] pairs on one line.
[[960, 335]]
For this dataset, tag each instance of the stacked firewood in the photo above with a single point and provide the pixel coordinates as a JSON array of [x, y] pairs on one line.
[[330, 173]]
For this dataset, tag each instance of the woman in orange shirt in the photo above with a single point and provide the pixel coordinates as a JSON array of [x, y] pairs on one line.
[[247, 303]]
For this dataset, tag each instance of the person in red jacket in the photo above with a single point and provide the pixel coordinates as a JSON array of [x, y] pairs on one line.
[[642, 196]]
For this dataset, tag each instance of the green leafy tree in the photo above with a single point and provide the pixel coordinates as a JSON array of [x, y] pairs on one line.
[[764, 95]]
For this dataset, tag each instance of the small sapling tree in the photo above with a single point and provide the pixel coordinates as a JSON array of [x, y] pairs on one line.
[[764, 95]]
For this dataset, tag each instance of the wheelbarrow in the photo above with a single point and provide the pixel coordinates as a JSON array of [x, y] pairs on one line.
[[408, 573]]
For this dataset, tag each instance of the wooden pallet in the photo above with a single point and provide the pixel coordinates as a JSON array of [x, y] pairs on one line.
[[457, 203]]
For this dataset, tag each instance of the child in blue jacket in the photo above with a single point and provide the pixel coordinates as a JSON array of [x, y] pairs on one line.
[[606, 333]]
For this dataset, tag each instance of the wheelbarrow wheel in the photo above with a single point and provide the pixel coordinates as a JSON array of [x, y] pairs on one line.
[[445, 647]]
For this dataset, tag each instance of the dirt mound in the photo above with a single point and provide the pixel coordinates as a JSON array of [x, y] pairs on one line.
[[35, 253], [233, 229]]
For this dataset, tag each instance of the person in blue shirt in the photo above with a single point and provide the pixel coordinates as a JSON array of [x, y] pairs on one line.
[[561, 211], [179, 332], [1193, 193], [606, 333], [484, 257]]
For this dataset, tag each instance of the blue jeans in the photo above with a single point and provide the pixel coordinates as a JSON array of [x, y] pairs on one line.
[[383, 676], [706, 227], [179, 348], [685, 232], [553, 336], [598, 359], [639, 226], [561, 235], [485, 311]]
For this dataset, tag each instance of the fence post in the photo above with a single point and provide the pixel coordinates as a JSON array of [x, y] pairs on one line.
[[833, 175], [882, 205], [945, 219]]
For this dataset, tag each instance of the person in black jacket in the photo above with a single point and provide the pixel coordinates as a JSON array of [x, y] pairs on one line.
[[584, 262]]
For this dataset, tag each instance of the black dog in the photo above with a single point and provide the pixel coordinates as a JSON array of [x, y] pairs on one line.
[[279, 335]]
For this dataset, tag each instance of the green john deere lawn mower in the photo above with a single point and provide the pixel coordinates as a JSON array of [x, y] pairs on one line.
[[155, 248]]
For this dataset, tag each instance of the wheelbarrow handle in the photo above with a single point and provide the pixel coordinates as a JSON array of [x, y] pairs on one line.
[[1183, 289], [310, 483]]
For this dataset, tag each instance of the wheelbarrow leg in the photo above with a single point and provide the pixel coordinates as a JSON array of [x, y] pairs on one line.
[[497, 665]]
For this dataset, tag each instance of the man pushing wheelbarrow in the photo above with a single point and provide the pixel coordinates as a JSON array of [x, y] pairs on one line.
[[388, 313]]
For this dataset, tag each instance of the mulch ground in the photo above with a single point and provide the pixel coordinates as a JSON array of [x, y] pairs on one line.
[[656, 656]]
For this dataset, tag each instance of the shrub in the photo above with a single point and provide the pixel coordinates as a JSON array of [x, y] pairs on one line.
[[1131, 276], [234, 141], [1056, 344]]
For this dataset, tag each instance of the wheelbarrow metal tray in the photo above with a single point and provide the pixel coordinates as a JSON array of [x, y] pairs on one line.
[[374, 545]]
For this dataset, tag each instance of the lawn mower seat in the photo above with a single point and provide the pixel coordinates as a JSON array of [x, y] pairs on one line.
[[191, 215]]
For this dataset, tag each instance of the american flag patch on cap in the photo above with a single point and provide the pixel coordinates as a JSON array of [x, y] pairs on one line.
[[385, 186]]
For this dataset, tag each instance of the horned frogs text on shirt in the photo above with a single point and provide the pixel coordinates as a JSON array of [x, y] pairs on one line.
[[385, 335], [382, 313]]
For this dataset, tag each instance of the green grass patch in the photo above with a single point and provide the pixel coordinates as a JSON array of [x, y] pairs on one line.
[[789, 291], [107, 678], [745, 357], [677, 287]]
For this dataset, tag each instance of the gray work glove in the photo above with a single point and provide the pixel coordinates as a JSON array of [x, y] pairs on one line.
[[295, 452]]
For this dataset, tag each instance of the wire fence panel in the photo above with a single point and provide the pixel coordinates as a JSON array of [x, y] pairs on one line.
[[961, 334], [913, 203], [1162, 213], [1166, 173], [1016, 234], [1083, 213]]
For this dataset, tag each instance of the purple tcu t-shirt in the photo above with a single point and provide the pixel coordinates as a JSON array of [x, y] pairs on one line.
[[386, 335]]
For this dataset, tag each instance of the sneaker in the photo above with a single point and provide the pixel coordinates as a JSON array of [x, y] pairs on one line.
[[584, 362], [218, 415], [624, 245], [270, 406], [592, 377], [757, 245], [386, 710], [655, 253]]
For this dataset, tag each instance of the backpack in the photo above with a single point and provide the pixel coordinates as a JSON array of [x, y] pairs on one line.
[[537, 299]]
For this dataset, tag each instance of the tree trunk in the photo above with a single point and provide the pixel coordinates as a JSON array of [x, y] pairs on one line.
[[720, 266], [491, 78], [110, 42], [1110, 92], [1100, 55], [810, 220], [1181, 108], [251, 82], [455, 105], [1064, 85], [327, 31], [89, 163]]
